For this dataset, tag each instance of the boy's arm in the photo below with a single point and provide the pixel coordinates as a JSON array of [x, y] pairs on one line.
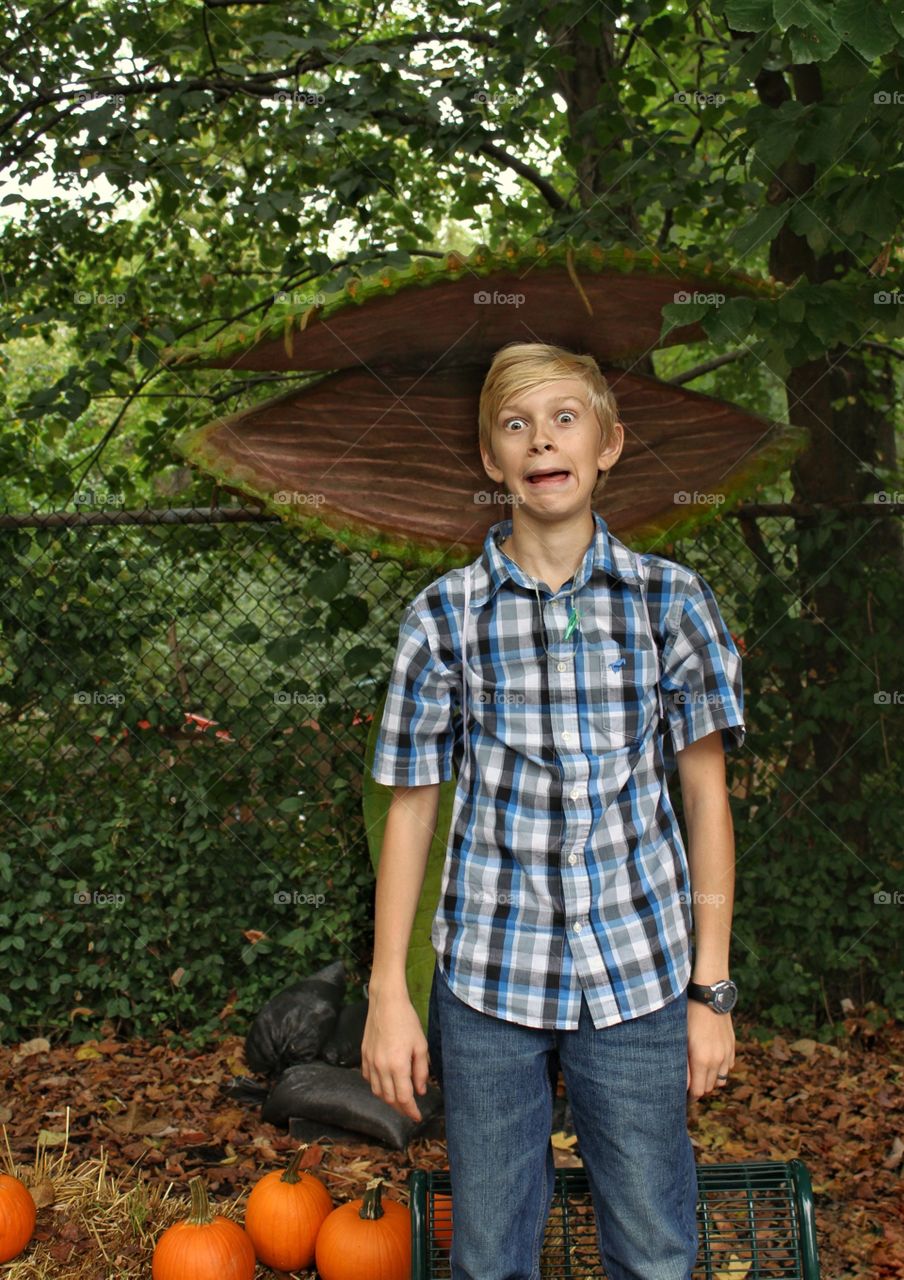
[[711, 862], [394, 1047], [409, 831]]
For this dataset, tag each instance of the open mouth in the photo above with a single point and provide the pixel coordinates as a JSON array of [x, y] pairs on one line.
[[543, 479]]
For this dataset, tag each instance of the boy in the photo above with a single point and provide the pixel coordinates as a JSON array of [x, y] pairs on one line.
[[562, 933]]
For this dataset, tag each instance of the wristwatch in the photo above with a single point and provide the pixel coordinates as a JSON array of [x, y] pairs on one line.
[[721, 996]]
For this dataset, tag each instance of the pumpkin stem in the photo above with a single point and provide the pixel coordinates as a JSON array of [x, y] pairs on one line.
[[200, 1214], [371, 1206], [291, 1173]]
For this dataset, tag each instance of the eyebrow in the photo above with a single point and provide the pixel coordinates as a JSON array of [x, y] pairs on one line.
[[514, 408]]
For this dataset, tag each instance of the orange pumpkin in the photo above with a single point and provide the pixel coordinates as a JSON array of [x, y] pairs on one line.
[[284, 1213], [366, 1239], [17, 1216], [203, 1247], [442, 1220]]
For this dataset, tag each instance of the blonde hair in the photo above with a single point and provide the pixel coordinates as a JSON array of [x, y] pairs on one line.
[[521, 366]]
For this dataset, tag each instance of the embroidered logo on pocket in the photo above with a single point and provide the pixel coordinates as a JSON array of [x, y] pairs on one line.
[[617, 666]]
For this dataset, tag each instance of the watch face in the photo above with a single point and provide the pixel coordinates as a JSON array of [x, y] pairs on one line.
[[725, 996]]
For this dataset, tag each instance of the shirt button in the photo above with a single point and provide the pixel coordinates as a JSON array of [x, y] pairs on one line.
[[575, 794], [572, 858], [561, 666], [577, 926], [566, 735]]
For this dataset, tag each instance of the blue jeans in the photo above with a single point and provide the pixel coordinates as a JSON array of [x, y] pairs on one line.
[[627, 1086]]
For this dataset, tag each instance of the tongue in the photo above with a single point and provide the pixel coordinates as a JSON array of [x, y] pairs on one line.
[[547, 475]]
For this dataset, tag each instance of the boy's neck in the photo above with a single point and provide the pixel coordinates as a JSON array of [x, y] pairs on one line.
[[551, 553]]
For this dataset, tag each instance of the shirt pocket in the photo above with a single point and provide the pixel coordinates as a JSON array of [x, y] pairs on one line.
[[505, 700], [622, 683]]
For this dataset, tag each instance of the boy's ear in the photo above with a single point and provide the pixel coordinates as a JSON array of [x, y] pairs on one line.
[[608, 457], [490, 466]]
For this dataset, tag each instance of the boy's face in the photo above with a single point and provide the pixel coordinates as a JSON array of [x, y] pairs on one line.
[[551, 428]]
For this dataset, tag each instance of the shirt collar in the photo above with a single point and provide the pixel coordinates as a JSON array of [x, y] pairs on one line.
[[605, 554]]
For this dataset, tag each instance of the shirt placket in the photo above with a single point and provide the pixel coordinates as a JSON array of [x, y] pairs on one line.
[[562, 673]]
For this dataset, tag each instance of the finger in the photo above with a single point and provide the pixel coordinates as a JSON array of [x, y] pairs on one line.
[[419, 1070]]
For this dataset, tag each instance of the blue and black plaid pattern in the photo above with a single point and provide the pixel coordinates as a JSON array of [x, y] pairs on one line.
[[565, 869]]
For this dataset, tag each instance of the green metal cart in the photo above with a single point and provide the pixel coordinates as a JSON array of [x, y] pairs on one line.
[[755, 1221]]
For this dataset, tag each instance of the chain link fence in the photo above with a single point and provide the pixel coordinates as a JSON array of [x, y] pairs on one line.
[[186, 698]]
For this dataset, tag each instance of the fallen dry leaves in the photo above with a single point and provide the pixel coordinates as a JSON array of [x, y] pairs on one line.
[[155, 1116]]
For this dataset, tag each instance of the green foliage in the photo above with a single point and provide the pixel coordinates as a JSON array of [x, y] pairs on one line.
[[162, 871], [191, 163], [817, 918]]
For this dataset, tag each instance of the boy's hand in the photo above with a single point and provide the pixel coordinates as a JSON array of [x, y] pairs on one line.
[[394, 1052], [710, 1048]]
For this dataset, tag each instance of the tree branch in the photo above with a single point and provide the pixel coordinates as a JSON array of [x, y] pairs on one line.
[[698, 370]]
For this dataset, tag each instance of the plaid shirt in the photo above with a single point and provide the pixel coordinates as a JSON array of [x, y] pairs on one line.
[[565, 870]]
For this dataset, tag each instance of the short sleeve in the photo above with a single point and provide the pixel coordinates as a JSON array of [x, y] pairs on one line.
[[702, 684], [415, 741]]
